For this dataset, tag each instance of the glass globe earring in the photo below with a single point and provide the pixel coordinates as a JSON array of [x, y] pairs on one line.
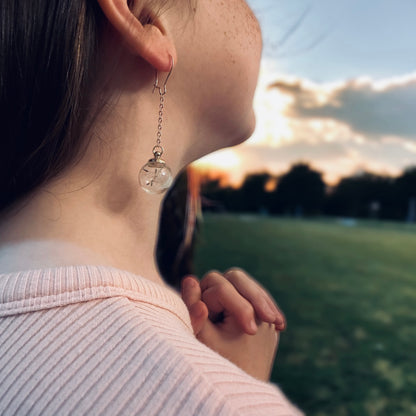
[[155, 177]]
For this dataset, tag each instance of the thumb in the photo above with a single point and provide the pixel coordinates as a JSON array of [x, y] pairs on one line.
[[198, 311]]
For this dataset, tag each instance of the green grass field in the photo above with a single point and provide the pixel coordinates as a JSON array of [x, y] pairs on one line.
[[349, 295]]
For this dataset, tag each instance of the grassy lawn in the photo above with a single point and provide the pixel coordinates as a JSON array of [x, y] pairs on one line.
[[349, 295]]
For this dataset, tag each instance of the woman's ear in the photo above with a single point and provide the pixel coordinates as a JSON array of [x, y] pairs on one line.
[[149, 41]]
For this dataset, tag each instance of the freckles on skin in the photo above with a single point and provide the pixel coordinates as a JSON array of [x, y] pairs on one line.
[[243, 41], [241, 48], [247, 33], [221, 57]]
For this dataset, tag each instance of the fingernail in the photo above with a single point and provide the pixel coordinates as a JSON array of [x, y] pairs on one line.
[[282, 327], [190, 282], [253, 325]]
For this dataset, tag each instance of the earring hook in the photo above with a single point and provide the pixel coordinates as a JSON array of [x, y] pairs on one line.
[[162, 90]]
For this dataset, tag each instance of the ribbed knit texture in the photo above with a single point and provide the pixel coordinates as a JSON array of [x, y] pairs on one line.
[[94, 340]]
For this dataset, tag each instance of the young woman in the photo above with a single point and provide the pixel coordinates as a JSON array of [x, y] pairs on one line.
[[87, 325]]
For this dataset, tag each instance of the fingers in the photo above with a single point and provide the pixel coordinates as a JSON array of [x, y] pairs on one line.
[[233, 293], [221, 297], [191, 295], [191, 291], [265, 308]]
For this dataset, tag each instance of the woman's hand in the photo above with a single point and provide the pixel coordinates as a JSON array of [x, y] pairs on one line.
[[243, 320]]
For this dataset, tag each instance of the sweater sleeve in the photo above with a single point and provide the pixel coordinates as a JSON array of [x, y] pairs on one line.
[[118, 356], [244, 394]]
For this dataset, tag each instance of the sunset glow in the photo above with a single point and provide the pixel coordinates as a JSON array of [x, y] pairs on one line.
[[338, 128], [328, 94], [222, 160]]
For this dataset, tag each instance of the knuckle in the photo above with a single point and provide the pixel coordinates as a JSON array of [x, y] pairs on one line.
[[233, 270], [216, 291], [236, 275], [212, 272], [222, 290], [210, 278]]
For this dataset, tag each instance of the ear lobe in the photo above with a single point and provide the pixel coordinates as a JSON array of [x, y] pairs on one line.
[[150, 41]]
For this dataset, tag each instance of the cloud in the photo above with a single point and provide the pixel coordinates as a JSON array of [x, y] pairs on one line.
[[371, 108], [334, 160], [338, 128]]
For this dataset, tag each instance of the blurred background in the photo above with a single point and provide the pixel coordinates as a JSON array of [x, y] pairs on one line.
[[320, 204]]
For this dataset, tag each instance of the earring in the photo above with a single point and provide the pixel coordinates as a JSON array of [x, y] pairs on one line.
[[155, 176]]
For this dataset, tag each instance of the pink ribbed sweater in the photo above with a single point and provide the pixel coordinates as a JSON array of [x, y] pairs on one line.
[[95, 340]]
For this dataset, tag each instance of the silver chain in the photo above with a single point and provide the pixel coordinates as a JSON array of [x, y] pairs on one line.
[[158, 149], [160, 120]]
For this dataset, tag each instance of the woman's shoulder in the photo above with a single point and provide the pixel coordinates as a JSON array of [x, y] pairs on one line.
[[98, 356], [48, 287], [88, 339]]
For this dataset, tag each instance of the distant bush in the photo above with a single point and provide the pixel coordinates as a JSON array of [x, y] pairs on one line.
[[302, 192]]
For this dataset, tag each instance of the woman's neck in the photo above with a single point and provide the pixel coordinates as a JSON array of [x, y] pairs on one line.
[[98, 204], [108, 215]]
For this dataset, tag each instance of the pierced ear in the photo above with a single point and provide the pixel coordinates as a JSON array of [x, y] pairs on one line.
[[149, 41]]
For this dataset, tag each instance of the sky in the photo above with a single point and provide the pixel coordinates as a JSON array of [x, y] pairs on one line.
[[337, 89]]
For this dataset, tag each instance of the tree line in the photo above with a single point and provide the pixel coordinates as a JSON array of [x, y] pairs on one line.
[[302, 192]]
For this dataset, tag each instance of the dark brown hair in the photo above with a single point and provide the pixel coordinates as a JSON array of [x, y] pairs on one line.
[[47, 56]]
